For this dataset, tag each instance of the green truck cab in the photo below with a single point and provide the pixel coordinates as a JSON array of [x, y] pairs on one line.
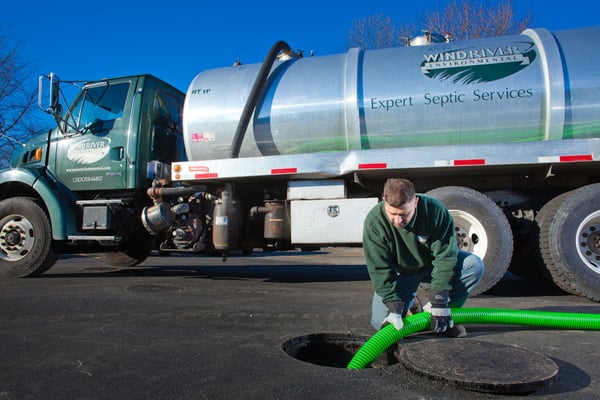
[[81, 186]]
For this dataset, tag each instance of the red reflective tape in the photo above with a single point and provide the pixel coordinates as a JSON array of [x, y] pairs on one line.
[[206, 176], [275, 171], [372, 166], [475, 161], [578, 157]]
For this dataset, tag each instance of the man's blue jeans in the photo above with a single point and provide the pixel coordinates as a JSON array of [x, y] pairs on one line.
[[468, 270]]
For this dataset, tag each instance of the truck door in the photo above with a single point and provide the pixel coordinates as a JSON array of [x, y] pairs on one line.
[[91, 154], [167, 141]]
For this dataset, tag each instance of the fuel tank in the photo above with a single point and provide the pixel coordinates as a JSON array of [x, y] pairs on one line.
[[538, 85]]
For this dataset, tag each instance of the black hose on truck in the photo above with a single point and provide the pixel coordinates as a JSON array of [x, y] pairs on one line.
[[257, 90]]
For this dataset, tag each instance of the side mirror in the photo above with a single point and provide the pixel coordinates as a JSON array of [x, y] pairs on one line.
[[53, 106]]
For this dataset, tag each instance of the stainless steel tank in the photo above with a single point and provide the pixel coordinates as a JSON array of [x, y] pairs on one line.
[[534, 86]]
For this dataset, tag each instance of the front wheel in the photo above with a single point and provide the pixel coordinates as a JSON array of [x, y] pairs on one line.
[[26, 246], [481, 228]]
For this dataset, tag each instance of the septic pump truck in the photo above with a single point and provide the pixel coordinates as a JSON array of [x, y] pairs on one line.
[[293, 153]]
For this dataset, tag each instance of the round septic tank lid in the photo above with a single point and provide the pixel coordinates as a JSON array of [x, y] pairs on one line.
[[479, 365]]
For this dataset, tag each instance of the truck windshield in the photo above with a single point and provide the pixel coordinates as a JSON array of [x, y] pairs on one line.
[[105, 102]]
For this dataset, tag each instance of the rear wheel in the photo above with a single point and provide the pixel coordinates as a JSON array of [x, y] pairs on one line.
[[26, 246], [570, 241], [543, 217], [481, 228]]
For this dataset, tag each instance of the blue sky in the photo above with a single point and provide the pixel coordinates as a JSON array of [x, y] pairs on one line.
[[175, 40]]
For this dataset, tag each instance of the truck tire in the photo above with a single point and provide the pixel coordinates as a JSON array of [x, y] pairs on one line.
[[26, 247], [132, 253], [481, 228], [543, 217], [570, 241]]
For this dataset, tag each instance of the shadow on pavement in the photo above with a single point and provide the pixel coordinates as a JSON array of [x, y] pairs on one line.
[[268, 273]]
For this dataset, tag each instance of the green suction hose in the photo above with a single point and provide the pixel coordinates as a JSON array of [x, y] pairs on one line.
[[388, 335]]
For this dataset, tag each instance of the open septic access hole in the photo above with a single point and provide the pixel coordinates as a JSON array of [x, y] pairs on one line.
[[334, 349]]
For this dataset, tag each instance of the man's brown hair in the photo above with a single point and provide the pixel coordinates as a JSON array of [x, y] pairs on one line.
[[397, 192]]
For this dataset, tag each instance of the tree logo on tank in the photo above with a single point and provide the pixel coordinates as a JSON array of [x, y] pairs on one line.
[[88, 151], [478, 65]]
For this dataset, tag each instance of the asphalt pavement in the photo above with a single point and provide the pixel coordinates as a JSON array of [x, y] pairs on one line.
[[199, 328]]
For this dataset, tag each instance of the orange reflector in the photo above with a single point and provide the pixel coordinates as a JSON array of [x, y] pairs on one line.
[[38, 154]]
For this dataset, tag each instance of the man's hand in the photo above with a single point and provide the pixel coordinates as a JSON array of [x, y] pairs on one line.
[[394, 319], [441, 316], [395, 309]]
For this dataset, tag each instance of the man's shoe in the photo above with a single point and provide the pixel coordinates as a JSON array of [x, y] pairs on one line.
[[457, 331]]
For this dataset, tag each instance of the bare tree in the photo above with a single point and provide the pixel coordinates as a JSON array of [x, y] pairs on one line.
[[461, 19], [17, 98], [374, 32], [467, 19]]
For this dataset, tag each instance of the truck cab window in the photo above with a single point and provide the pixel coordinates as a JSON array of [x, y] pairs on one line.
[[167, 107], [98, 107], [166, 127]]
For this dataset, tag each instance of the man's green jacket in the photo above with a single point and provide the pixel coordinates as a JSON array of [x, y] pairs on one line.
[[428, 240]]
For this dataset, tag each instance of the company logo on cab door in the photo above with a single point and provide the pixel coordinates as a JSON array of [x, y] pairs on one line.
[[478, 65], [88, 151]]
